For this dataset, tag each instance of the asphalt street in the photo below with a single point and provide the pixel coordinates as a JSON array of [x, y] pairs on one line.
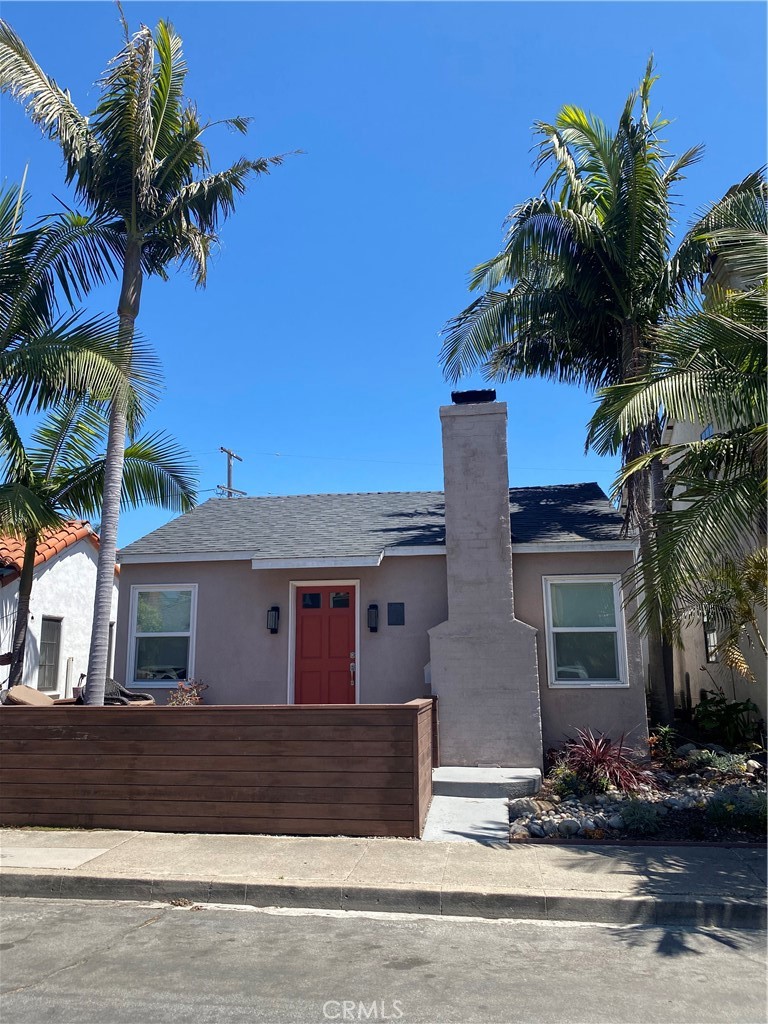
[[78, 962]]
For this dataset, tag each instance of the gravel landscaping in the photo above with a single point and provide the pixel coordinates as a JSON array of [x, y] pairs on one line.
[[707, 796]]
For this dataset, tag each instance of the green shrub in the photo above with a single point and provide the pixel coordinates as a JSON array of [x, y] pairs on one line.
[[725, 762], [733, 721], [639, 817], [566, 782], [663, 742], [739, 807]]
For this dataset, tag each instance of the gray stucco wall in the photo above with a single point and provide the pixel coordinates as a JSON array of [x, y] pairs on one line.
[[610, 710], [243, 663]]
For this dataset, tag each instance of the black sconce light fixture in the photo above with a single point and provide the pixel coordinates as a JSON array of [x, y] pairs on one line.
[[273, 618], [373, 618]]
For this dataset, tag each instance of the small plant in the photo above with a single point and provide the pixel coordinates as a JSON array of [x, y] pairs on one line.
[[598, 762], [730, 720], [187, 693], [723, 762], [565, 782], [740, 808], [639, 817], [662, 742]]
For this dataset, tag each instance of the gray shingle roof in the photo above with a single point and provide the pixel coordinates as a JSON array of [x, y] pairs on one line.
[[327, 525]]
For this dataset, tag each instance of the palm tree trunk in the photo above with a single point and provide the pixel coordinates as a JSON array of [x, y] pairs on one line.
[[643, 502], [127, 310], [22, 610]]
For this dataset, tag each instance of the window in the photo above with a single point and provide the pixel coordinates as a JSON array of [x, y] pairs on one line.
[[710, 643], [707, 432], [162, 634], [50, 646], [585, 643]]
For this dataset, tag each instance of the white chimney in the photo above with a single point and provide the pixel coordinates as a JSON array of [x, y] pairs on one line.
[[483, 659]]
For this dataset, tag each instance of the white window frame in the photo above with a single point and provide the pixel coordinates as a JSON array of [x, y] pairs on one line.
[[133, 635], [621, 644]]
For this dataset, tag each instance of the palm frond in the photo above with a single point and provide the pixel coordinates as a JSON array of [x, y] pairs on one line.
[[48, 106]]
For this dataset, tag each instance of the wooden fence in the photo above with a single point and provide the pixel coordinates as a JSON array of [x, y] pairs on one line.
[[355, 770]]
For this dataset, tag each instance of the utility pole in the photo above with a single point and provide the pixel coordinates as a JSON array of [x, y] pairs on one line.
[[229, 490]]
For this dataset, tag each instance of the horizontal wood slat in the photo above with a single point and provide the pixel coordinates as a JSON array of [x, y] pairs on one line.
[[359, 770], [214, 762], [327, 781], [221, 825], [288, 748]]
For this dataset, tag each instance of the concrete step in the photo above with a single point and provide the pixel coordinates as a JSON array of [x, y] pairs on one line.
[[485, 783]]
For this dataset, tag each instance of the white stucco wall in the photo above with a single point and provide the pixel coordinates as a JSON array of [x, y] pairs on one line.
[[63, 589]]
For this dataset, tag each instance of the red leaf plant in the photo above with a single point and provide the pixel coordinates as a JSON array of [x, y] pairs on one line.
[[599, 762]]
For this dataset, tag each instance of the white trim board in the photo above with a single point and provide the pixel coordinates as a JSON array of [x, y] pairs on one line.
[[357, 561], [319, 562], [184, 556], [572, 546]]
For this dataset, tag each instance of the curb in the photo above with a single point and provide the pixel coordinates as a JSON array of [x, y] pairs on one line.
[[556, 905]]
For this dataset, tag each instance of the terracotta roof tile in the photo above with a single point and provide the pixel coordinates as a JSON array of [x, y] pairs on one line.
[[51, 543]]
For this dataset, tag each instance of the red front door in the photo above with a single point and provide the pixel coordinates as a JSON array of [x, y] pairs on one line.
[[325, 645]]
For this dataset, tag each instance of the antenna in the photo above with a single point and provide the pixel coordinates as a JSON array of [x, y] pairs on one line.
[[229, 490]]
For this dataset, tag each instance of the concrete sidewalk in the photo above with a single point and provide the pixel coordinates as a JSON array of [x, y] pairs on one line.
[[617, 885]]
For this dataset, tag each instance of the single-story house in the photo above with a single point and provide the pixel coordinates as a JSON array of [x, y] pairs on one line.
[[506, 603], [61, 607]]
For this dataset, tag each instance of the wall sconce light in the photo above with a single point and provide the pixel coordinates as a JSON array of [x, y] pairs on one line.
[[273, 618], [373, 618]]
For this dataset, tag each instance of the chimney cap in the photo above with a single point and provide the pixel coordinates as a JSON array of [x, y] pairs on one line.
[[473, 397]]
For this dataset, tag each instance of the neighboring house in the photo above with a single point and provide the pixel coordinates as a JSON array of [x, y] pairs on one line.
[[61, 606], [696, 664], [343, 598]]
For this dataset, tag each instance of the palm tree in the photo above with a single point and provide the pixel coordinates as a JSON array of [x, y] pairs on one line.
[[61, 475], [139, 162], [708, 365], [586, 273], [49, 355]]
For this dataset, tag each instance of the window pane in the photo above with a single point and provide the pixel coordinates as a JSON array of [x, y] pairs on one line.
[[48, 664], [164, 611], [340, 599], [311, 600], [162, 657], [586, 656], [582, 604]]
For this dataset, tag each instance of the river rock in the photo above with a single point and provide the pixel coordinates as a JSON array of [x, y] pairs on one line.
[[520, 806], [616, 821], [550, 827], [536, 830], [685, 749], [569, 827]]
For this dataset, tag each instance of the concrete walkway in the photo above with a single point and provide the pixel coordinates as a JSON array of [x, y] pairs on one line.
[[625, 885], [469, 805]]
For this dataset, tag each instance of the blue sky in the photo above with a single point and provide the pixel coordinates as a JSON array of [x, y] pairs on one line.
[[317, 337]]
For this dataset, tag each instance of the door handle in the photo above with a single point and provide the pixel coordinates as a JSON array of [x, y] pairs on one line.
[[351, 673]]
